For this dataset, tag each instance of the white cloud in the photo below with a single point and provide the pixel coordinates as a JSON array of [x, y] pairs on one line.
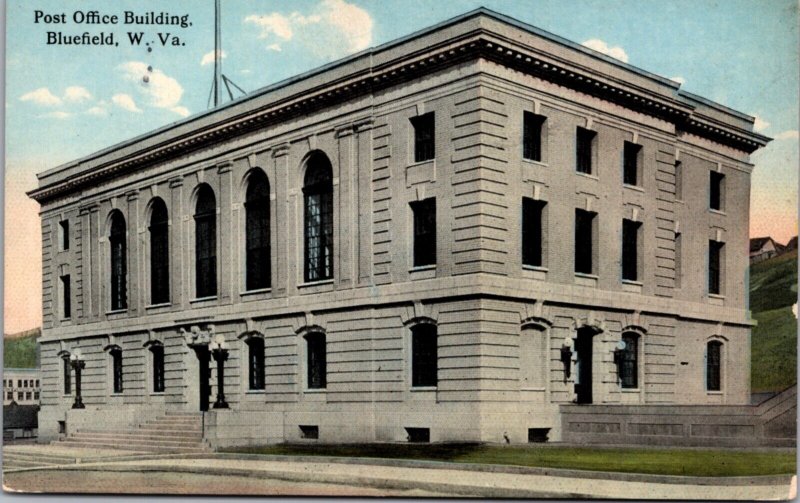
[[760, 124], [600, 46], [57, 115], [160, 90], [125, 101], [679, 80], [246, 71], [77, 94], [791, 134], [42, 96], [180, 110], [334, 28], [99, 111], [208, 58]]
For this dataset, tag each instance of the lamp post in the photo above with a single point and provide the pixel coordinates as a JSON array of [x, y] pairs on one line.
[[77, 365], [220, 354]]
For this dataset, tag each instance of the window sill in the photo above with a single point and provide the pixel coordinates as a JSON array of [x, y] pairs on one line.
[[116, 311], [535, 163], [158, 306], [716, 296], [637, 188], [158, 393], [255, 292], [632, 282], [315, 390], [541, 388], [113, 395], [588, 175], [203, 299], [535, 268], [316, 283], [632, 286], [418, 268], [714, 393], [255, 392], [584, 279], [717, 212], [420, 163], [630, 390], [423, 388]]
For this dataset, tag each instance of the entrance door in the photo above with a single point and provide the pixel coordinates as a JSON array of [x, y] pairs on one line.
[[204, 374], [583, 374]]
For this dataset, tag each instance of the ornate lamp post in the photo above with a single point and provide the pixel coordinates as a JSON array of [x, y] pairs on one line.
[[220, 354], [77, 365]]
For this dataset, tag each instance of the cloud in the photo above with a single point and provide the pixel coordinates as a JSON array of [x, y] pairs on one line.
[[791, 134], [334, 28], [125, 102], [600, 46], [98, 111], [57, 115], [77, 94], [159, 91], [679, 80], [42, 96], [180, 110], [760, 124], [208, 58]]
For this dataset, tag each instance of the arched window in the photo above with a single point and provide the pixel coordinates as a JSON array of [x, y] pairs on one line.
[[424, 355], [119, 262], [629, 361], [714, 366], [205, 220], [67, 374], [532, 357], [159, 253], [157, 355], [256, 206], [318, 196], [317, 361], [116, 365], [255, 350]]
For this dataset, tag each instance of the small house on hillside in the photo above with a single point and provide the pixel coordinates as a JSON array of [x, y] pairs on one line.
[[20, 421], [792, 244], [763, 248]]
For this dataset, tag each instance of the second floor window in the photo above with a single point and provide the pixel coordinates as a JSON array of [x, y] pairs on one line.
[[65, 368], [258, 268], [424, 137], [630, 163], [717, 191], [629, 364], [116, 367], [584, 241], [532, 126], [532, 212], [318, 198], [159, 253], [157, 355], [316, 361], [205, 219], [424, 232], [255, 356], [715, 265], [584, 145], [63, 231], [714, 366], [119, 262], [66, 297], [630, 250], [424, 356]]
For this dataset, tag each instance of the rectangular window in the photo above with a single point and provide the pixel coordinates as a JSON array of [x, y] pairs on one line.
[[714, 366], [584, 140], [679, 180], [532, 212], [27, 395], [532, 136], [631, 153], [317, 361], [63, 230], [424, 232], [424, 137], [35, 395], [678, 259], [10, 395], [629, 365], [158, 368], [584, 241], [67, 376], [715, 264], [717, 191], [255, 347], [37, 383], [424, 356], [116, 359], [630, 250], [66, 297], [19, 383]]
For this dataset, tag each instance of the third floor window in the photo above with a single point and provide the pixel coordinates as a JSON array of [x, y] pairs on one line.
[[424, 137]]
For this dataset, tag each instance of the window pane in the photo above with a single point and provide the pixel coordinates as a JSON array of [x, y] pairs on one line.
[[713, 366], [629, 366], [583, 241], [630, 249], [159, 253], [67, 293], [424, 137], [158, 368], [532, 136], [256, 359], [631, 163], [584, 138], [206, 243], [119, 267], [424, 232], [318, 232], [258, 266], [716, 180], [532, 231], [714, 267], [424, 356], [317, 378]]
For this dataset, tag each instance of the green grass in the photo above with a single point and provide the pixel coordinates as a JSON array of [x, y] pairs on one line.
[[21, 352], [773, 290], [699, 463]]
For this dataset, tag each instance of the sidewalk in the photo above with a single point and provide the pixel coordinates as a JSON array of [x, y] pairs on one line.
[[457, 480]]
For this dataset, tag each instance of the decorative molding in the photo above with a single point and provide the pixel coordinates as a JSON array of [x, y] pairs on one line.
[[420, 313], [281, 150]]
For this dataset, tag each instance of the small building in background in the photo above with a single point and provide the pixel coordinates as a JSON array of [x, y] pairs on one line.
[[20, 421], [21, 386], [792, 244], [764, 248]]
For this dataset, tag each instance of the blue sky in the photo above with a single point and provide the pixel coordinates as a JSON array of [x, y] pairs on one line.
[[65, 102]]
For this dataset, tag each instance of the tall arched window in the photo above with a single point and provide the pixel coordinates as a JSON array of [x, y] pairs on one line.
[[318, 196], [159, 253], [424, 356], [255, 350], [316, 353], [629, 363], [205, 221], [256, 206], [119, 262], [157, 359], [714, 366], [116, 368]]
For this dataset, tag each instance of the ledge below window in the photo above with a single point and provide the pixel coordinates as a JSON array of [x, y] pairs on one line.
[[718, 212], [256, 292], [117, 312], [202, 300], [534, 272], [716, 299], [587, 175], [637, 188], [423, 272], [255, 392], [311, 284], [584, 279], [629, 285], [534, 162], [315, 390], [158, 306], [423, 388]]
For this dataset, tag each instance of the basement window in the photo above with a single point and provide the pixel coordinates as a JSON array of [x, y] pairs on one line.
[[538, 435], [310, 432], [419, 435]]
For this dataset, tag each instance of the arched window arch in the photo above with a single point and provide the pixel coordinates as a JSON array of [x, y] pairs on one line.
[[316, 361], [257, 233], [118, 243], [629, 361], [318, 232], [205, 220], [714, 366], [424, 355], [159, 252], [255, 359]]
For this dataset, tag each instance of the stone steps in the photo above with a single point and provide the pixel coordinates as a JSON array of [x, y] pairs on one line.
[[139, 447], [147, 432], [133, 439], [15, 460]]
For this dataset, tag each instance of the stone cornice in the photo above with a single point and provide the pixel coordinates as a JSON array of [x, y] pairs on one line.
[[469, 46]]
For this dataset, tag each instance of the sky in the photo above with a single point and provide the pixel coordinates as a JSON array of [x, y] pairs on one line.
[[64, 102]]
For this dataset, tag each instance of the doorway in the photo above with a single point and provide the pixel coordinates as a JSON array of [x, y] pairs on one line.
[[204, 374], [583, 364]]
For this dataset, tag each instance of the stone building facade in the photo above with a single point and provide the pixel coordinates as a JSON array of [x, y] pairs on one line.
[[21, 386], [448, 237]]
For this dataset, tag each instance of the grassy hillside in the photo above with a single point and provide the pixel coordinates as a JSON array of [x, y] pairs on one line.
[[773, 290], [21, 350]]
